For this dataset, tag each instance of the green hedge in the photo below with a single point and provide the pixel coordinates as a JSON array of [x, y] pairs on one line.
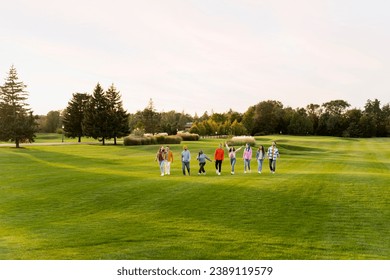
[[140, 140]]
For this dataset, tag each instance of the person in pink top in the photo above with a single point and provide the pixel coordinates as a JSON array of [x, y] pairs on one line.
[[247, 158], [232, 156]]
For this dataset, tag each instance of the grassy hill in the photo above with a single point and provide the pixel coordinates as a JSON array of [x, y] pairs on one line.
[[329, 199]]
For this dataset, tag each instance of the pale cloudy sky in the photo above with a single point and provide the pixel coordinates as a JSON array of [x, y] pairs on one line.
[[199, 55]]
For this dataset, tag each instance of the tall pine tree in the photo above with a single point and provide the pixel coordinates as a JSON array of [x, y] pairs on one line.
[[74, 114], [97, 116], [17, 122], [118, 117]]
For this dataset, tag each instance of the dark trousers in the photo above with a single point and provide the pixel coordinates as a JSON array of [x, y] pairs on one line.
[[272, 164], [218, 165], [201, 167]]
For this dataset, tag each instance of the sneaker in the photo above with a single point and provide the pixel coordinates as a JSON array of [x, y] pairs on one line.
[[204, 173], [219, 173], [162, 174], [245, 172], [198, 173]]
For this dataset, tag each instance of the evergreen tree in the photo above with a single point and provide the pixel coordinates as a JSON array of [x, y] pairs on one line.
[[73, 116], [96, 123], [150, 118], [118, 117], [17, 122]]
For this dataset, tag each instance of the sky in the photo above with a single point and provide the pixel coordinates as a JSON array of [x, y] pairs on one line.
[[198, 55]]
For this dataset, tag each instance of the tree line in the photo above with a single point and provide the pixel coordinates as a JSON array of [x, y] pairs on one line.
[[333, 118], [100, 115]]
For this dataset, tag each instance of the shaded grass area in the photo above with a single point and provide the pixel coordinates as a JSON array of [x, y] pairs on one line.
[[328, 200]]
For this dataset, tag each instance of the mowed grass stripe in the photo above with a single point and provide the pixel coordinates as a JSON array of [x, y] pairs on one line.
[[125, 210]]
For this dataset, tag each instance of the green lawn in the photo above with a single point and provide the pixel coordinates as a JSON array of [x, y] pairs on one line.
[[328, 200]]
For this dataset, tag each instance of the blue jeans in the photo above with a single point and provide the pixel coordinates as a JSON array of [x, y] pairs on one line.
[[186, 165], [162, 166], [260, 165], [233, 163], [247, 164]]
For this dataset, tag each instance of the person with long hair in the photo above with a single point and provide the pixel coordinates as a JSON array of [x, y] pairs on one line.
[[260, 155], [247, 158], [160, 157], [232, 156]]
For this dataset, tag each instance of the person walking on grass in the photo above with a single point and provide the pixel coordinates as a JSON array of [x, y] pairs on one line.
[[247, 158], [160, 157], [232, 156], [218, 157], [168, 160], [260, 155], [185, 160], [273, 154], [202, 162]]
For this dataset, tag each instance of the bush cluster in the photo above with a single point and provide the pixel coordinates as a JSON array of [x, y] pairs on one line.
[[188, 136], [132, 140], [241, 141]]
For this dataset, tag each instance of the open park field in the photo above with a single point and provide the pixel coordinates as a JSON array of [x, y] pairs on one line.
[[329, 199]]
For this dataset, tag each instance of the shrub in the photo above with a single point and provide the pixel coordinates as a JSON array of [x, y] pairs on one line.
[[132, 140], [242, 140], [173, 139], [189, 136]]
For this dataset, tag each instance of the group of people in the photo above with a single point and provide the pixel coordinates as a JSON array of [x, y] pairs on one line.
[[164, 157]]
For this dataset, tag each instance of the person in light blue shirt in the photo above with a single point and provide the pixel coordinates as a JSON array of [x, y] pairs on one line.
[[185, 160], [202, 162]]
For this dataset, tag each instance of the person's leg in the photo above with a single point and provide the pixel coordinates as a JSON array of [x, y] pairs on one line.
[[270, 164], [233, 162], [168, 167], [183, 166], [162, 167]]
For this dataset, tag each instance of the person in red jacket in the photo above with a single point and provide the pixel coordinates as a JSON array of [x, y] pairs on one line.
[[218, 157]]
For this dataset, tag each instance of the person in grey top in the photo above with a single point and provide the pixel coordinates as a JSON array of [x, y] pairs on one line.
[[185, 160], [202, 162]]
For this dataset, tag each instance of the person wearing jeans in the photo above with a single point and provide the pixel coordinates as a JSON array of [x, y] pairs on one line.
[[232, 155], [247, 158], [273, 154], [185, 160], [260, 155]]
